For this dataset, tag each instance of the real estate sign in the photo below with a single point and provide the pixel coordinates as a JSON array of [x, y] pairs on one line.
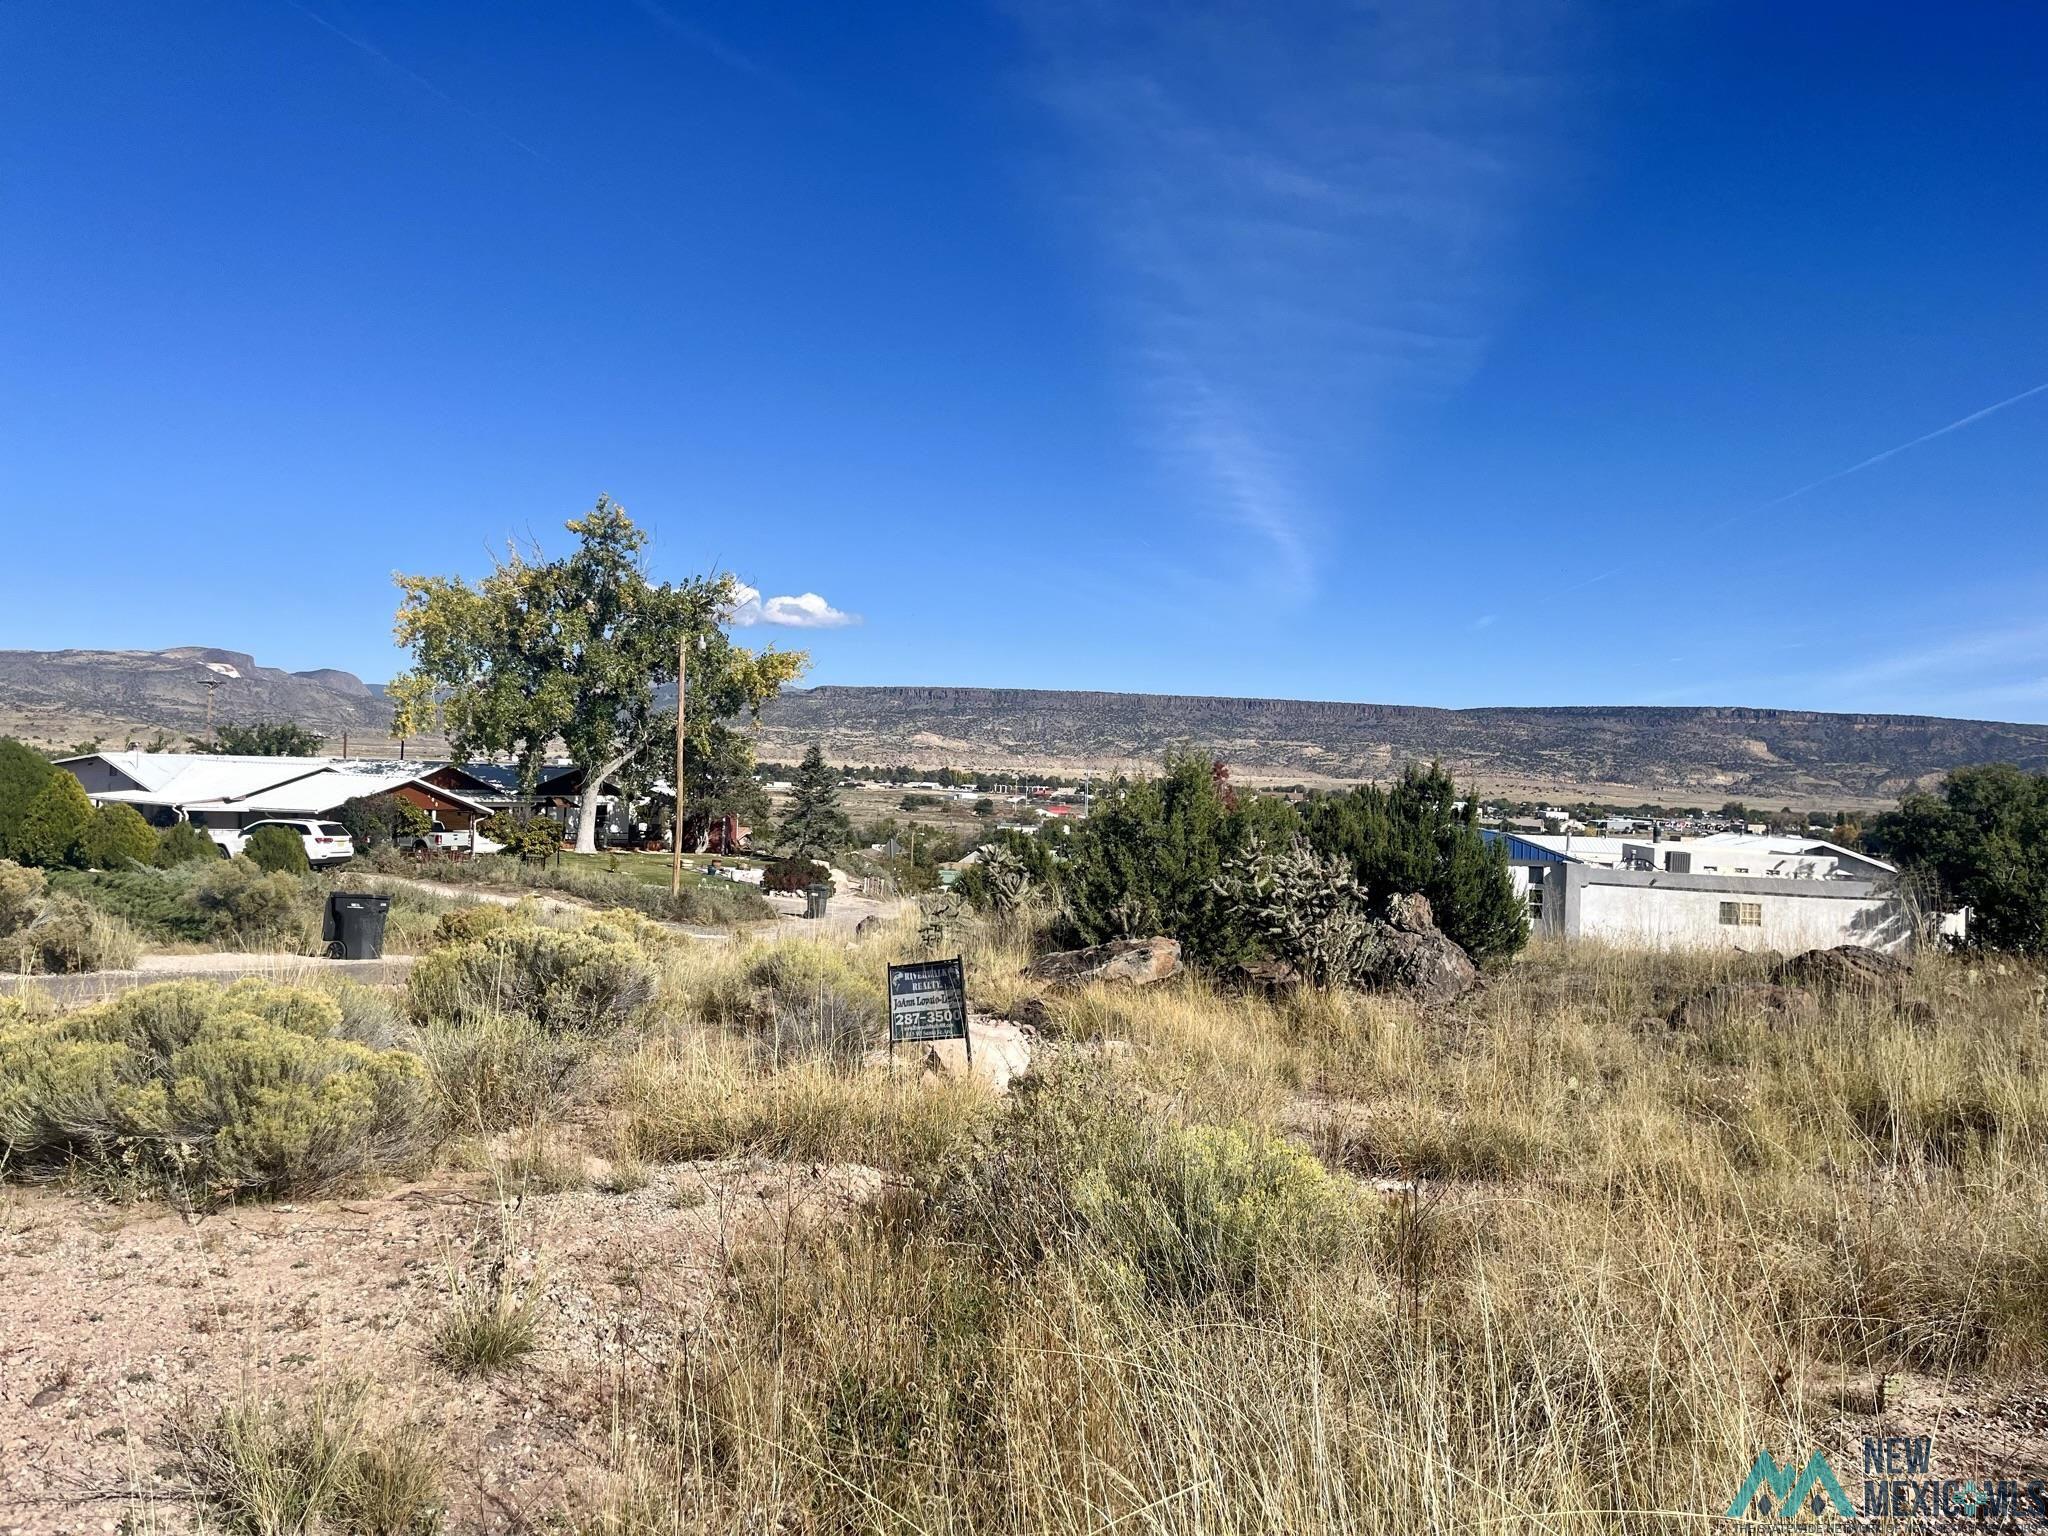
[[927, 1001]]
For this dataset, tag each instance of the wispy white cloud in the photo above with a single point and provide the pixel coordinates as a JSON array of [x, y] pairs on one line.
[[806, 610], [1309, 221], [1747, 514], [708, 42], [372, 51]]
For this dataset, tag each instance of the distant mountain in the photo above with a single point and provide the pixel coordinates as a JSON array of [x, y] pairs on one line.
[[1672, 756], [61, 697], [1773, 756]]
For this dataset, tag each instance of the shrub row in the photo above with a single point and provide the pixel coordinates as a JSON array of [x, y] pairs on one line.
[[210, 1092]]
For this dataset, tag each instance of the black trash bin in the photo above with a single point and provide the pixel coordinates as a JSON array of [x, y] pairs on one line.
[[353, 925], [815, 898]]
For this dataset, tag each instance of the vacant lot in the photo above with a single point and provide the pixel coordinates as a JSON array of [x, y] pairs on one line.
[[671, 1252]]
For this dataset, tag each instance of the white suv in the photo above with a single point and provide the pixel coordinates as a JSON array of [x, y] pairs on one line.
[[327, 842]]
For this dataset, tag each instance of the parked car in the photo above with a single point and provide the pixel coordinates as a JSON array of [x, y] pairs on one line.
[[327, 842]]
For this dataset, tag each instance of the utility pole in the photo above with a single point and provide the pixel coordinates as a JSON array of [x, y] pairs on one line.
[[675, 826], [211, 684]]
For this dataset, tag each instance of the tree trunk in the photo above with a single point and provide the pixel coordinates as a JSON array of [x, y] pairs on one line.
[[586, 803]]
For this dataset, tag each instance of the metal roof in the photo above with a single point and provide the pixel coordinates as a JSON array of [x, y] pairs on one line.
[[287, 785]]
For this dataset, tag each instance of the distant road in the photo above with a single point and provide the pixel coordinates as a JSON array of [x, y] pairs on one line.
[[94, 986]]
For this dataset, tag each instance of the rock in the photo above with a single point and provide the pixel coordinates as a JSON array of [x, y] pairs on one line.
[[1263, 978], [1414, 957], [1002, 1053], [867, 925], [1845, 968], [1410, 913], [1140, 962], [1780, 1005], [1030, 1014]]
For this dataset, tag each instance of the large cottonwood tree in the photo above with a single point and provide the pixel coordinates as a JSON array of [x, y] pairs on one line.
[[574, 650]]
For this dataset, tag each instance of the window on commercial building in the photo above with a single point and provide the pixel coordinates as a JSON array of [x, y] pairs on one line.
[[1742, 914], [1535, 903]]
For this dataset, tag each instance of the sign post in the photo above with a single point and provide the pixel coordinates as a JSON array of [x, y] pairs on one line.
[[928, 1001]]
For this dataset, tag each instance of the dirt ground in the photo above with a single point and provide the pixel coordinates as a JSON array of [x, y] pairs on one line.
[[121, 1319]]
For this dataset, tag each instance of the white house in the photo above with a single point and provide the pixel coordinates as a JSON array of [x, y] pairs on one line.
[[1732, 890], [222, 791]]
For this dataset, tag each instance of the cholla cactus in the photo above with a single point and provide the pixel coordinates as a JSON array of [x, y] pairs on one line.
[[1004, 878], [1309, 908]]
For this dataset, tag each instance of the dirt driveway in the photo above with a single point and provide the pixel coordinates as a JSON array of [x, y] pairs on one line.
[[122, 1319]]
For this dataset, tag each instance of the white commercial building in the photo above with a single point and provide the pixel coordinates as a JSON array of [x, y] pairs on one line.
[[1732, 890]]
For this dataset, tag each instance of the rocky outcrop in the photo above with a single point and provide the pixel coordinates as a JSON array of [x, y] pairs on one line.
[[1845, 968], [1417, 959], [1760, 753], [1135, 962]]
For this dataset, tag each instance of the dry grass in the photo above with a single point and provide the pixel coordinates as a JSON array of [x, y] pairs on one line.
[[1620, 1259], [282, 1468]]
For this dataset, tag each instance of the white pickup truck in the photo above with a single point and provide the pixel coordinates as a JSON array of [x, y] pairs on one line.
[[472, 842]]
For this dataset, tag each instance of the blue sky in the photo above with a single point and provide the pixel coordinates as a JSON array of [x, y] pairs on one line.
[[1450, 353]]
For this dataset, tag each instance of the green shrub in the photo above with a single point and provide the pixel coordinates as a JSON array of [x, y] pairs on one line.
[[52, 829], [23, 774], [21, 897], [67, 937], [1081, 1165], [1148, 858], [378, 821], [795, 874], [118, 837], [183, 843], [536, 838], [152, 901], [466, 924], [1416, 837], [565, 980], [253, 910], [277, 850], [213, 1092]]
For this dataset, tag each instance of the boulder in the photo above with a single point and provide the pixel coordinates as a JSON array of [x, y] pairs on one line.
[[1845, 968], [1776, 1004], [1414, 957], [867, 925], [1002, 1053], [1138, 962], [1425, 966]]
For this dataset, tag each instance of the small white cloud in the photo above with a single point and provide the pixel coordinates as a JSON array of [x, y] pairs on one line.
[[1486, 621], [806, 610]]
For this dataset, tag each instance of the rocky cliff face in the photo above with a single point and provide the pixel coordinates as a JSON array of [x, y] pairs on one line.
[[66, 695], [1681, 756], [1770, 755]]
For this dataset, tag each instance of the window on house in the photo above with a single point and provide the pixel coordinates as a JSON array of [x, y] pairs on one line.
[[1742, 914], [1535, 903]]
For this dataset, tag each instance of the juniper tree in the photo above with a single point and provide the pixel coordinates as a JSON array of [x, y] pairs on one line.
[[814, 827]]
